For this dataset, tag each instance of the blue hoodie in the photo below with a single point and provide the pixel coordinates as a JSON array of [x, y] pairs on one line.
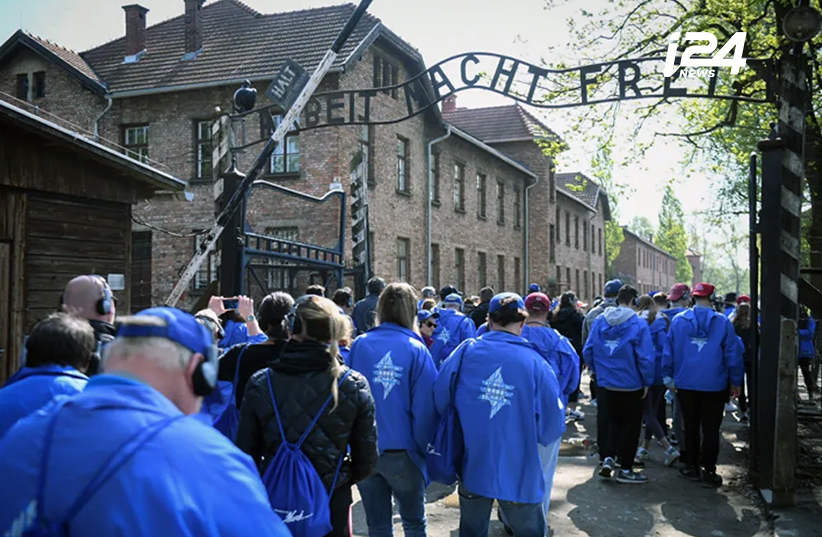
[[619, 350], [236, 333], [452, 329], [659, 335], [703, 351], [187, 480], [673, 312], [508, 401], [483, 328], [806, 349], [560, 355], [401, 374], [33, 387]]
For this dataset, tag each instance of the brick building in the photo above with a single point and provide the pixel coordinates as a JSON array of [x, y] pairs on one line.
[[695, 260], [644, 264], [157, 90]]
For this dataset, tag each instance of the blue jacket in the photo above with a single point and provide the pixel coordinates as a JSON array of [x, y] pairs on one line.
[[673, 312], [659, 335], [452, 329], [619, 350], [236, 333], [483, 328], [730, 311], [32, 388], [508, 401], [702, 352], [188, 480], [560, 355], [401, 374], [806, 349], [364, 312]]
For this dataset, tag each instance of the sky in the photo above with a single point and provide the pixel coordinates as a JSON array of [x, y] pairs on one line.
[[438, 29]]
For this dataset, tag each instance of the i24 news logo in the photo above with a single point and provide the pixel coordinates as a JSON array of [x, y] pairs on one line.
[[736, 44]]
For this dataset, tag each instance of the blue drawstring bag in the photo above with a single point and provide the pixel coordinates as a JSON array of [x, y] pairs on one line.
[[221, 404], [444, 455], [295, 489], [42, 526]]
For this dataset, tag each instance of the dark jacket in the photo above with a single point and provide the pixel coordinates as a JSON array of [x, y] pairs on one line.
[[256, 356], [364, 314], [301, 385], [104, 334], [480, 314], [568, 322], [747, 344]]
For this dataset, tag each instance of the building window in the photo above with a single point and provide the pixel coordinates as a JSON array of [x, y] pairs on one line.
[[482, 270], [517, 276], [135, 140], [140, 271], [577, 287], [559, 218], [435, 187], [593, 239], [286, 157], [517, 207], [459, 268], [207, 272], [403, 253], [22, 91], [601, 284], [552, 243], [435, 265], [365, 141], [584, 238], [402, 164], [482, 181], [501, 273], [39, 84], [559, 276], [585, 283], [279, 278], [568, 277], [576, 234], [568, 231], [500, 202], [386, 73], [204, 149], [638, 257], [459, 187], [599, 240]]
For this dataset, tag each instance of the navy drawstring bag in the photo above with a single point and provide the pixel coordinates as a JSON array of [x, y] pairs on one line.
[[221, 404], [444, 455], [45, 527], [295, 490]]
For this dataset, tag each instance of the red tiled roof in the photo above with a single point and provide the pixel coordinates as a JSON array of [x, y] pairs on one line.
[[69, 56], [499, 123], [238, 43]]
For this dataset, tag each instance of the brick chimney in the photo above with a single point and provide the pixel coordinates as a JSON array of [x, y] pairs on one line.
[[194, 28], [449, 104], [135, 29]]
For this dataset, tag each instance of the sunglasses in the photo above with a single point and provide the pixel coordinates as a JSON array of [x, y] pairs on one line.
[[431, 325]]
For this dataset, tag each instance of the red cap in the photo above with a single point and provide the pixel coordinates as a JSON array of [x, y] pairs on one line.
[[678, 291], [743, 298], [703, 290], [537, 302]]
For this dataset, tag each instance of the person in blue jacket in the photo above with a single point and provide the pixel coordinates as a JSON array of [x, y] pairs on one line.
[[240, 325], [679, 301], [730, 305], [126, 457], [508, 401], [58, 352], [452, 329], [396, 362], [619, 351], [807, 353], [701, 355]]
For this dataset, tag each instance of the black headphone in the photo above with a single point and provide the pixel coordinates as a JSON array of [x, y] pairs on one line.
[[204, 378], [104, 305]]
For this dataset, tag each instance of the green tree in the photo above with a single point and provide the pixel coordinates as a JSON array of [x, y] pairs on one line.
[[671, 235], [642, 227]]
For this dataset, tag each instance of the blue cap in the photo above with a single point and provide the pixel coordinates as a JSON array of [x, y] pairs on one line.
[[424, 315], [496, 302], [181, 327], [453, 298], [612, 288], [533, 288]]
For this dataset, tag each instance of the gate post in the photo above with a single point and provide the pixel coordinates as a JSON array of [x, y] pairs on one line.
[[232, 269]]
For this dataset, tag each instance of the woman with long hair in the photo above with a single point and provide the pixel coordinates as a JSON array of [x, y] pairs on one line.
[[310, 380], [742, 327], [658, 323], [568, 322], [400, 370]]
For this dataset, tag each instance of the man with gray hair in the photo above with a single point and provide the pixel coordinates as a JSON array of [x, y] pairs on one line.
[[163, 472]]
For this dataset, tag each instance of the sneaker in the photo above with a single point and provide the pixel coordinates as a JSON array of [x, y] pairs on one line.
[[671, 456], [642, 454], [711, 480], [691, 473], [731, 407], [607, 468], [631, 478], [576, 415]]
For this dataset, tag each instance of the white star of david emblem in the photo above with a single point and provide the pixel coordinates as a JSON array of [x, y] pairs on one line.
[[612, 344], [496, 392], [699, 342], [444, 336], [387, 374]]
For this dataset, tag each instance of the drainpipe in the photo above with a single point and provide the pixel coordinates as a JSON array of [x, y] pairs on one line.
[[97, 121], [526, 257], [428, 225]]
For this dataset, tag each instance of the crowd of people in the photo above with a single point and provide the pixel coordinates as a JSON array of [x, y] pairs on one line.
[[279, 411]]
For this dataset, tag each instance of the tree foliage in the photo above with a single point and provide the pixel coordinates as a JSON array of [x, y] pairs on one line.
[[642, 227], [671, 235]]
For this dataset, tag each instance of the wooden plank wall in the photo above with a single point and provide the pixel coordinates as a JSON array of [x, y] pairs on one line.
[[12, 276]]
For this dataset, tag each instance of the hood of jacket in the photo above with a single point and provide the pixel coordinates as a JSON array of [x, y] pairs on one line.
[[616, 316], [300, 357], [47, 370], [565, 314], [700, 320]]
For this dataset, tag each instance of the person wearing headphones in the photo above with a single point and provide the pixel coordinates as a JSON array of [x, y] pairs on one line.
[[125, 457], [89, 297], [365, 311], [344, 298]]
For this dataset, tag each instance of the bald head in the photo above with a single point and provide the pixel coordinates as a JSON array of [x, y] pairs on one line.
[[81, 296]]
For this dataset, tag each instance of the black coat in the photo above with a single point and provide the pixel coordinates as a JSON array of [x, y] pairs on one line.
[[104, 334], [568, 322], [301, 384], [480, 313]]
